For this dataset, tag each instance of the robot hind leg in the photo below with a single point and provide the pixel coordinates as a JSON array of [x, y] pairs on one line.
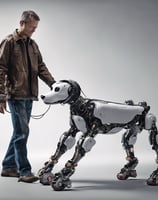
[[153, 138], [128, 140]]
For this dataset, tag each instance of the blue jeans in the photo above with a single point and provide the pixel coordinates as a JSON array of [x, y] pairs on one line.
[[16, 156]]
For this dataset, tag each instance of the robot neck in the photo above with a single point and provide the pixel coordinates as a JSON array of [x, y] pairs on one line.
[[79, 106], [80, 100]]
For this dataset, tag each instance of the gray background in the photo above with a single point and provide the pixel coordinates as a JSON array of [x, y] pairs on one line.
[[110, 47]]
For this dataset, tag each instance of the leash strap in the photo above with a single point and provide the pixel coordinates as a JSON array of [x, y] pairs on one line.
[[36, 116]]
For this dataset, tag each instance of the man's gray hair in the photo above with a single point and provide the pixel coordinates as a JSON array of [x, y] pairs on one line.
[[28, 15]]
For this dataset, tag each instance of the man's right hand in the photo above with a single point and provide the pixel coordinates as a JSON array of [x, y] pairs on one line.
[[2, 107]]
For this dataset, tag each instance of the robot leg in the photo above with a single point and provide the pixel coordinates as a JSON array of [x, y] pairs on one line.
[[62, 179], [66, 142], [153, 138], [128, 140]]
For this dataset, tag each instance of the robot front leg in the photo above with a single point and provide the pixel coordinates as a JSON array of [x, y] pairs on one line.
[[66, 142], [128, 140], [62, 179]]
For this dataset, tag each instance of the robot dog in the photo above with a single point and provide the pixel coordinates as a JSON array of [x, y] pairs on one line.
[[92, 117]]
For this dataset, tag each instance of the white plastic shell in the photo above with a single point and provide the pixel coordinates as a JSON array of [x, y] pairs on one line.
[[150, 119]]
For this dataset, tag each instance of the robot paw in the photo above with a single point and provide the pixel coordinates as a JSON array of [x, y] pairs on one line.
[[59, 183], [48, 166], [46, 178], [153, 179], [126, 173]]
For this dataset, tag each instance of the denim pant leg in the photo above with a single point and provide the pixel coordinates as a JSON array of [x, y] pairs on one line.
[[16, 156]]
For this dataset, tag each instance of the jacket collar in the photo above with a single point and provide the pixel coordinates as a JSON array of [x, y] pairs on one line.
[[17, 37]]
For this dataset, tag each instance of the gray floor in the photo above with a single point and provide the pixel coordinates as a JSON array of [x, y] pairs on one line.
[[90, 182]]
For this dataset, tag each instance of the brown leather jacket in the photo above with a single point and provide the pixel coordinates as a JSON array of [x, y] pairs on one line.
[[19, 69]]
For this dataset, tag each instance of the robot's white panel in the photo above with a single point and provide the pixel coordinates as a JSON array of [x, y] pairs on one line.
[[80, 123], [116, 113], [69, 142], [150, 119], [88, 144]]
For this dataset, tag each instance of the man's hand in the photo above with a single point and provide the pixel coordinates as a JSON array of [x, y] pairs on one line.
[[2, 107]]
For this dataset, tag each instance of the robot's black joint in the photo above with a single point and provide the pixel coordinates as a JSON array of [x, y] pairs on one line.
[[69, 169], [66, 171], [145, 106], [48, 164], [152, 138], [133, 162], [143, 103], [53, 160], [130, 154], [155, 147], [70, 164], [129, 102]]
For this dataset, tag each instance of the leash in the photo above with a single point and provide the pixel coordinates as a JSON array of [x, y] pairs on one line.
[[40, 115], [36, 116]]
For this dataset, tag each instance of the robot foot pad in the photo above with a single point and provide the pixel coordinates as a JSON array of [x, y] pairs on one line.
[[153, 179], [46, 178], [60, 183], [125, 174]]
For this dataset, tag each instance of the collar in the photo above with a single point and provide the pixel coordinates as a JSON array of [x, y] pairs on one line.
[[17, 37]]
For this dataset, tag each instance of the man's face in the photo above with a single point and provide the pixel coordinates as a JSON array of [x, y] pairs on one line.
[[28, 28]]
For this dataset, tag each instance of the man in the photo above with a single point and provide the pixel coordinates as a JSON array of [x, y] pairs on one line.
[[20, 66]]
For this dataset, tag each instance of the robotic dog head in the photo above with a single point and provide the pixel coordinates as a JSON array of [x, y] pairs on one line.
[[64, 91]]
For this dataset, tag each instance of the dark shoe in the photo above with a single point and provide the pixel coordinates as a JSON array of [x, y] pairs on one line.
[[28, 178], [9, 173]]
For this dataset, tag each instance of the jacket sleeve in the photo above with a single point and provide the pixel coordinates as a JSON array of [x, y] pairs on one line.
[[4, 60], [43, 72]]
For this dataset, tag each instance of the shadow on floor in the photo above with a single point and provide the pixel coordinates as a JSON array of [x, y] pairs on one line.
[[131, 184]]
